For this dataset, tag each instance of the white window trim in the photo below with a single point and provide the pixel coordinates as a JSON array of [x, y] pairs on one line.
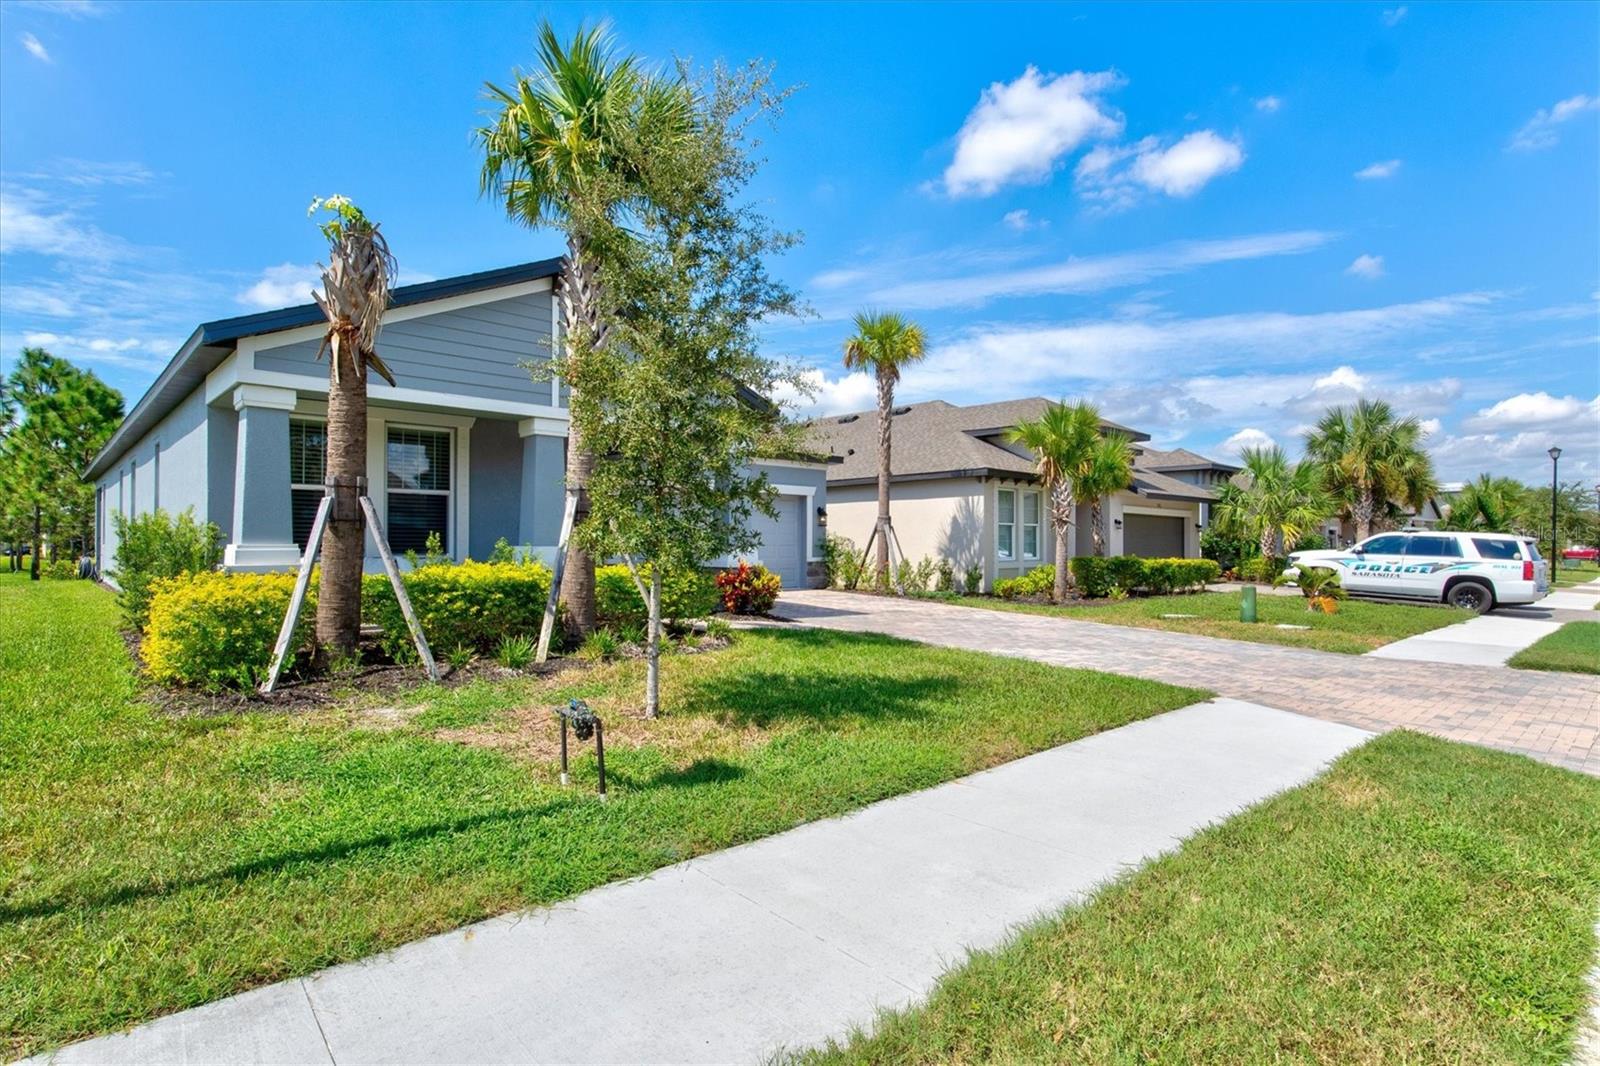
[[1037, 525], [1005, 556]]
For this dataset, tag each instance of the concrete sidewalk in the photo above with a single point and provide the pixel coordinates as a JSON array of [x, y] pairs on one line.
[[780, 943], [1487, 640]]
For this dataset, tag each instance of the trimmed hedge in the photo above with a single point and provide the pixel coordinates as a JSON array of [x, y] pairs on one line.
[[470, 603], [618, 605], [1098, 577], [217, 629]]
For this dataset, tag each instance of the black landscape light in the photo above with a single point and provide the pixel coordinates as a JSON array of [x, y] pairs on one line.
[[585, 724], [1555, 490]]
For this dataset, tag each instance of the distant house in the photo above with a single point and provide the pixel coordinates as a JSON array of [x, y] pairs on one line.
[[1340, 530], [467, 445], [960, 492]]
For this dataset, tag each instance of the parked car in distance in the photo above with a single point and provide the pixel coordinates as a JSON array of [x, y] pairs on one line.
[[1580, 554], [1473, 571]]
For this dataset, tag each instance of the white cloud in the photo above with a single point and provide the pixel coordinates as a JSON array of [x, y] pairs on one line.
[[35, 48], [1020, 130], [1430, 426], [1540, 130], [1392, 15], [1366, 266], [73, 9], [1115, 177], [1386, 168], [1342, 377], [31, 222], [1268, 104], [1094, 273], [284, 285], [86, 174], [130, 353], [1528, 410], [821, 395], [1021, 221], [1249, 437]]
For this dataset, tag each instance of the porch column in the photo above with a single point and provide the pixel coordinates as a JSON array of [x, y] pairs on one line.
[[263, 527], [544, 474]]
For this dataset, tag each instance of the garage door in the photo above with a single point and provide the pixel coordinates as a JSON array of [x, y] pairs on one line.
[[783, 542], [1152, 536]]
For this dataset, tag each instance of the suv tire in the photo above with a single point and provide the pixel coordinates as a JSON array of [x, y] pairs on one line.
[[1472, 596]]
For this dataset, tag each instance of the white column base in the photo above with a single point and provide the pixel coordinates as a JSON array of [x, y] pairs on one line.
[[260, 556]]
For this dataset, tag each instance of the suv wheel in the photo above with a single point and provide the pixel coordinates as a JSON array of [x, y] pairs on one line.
[[1470, 596]]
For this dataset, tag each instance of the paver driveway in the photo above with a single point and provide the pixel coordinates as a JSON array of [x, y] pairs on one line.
[[1553, 717]]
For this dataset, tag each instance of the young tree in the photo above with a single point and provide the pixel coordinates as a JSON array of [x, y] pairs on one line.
[[1110, 470], [355, 294], [1278, 502], [1063, 441], [560, 152], [1493, 504], [63, 417], [885, 342], [671, 402], [1370, 457]]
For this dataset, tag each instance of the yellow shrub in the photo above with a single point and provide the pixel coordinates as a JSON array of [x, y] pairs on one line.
[[217, 629], [476, 604]]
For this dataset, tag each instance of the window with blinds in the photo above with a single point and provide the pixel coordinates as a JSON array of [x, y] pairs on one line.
[[308, 463], [417, 473]]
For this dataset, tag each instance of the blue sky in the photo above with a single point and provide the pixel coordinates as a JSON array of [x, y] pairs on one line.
[[1213, 220]]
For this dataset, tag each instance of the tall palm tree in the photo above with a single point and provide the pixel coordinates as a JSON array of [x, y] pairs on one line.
[[355, 294], [1063, 440], [885, 342], [1110, 470], [1371, 457], [1495, 504], [1275, 501], [558, 134]]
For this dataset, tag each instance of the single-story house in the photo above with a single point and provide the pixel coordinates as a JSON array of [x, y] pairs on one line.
[[467, 444], [959, 491], [1340, 530]]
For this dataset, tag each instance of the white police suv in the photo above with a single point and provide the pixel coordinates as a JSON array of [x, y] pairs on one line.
[[1475, 571]]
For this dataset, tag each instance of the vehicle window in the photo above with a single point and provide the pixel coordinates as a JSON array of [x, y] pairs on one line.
[[1434, 547], [1496, 548], [1532, 548], [1389, 545]]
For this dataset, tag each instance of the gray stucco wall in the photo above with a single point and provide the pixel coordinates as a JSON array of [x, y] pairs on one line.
[[473, 351], [543, 495], [167, 468], [496, 486]]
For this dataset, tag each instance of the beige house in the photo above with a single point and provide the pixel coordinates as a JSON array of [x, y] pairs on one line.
[[960, 492]]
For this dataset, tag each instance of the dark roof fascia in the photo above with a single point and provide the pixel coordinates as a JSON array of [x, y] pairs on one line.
[[1132, 434], [1222, 468], [939, 475], [223, 332]]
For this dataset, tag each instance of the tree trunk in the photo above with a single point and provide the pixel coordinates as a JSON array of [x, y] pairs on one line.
[[38, 544], [344, 541], [1361, 512], [1061, 518], [1097, 523], [580, 310], [1267, 542], [652, 683], [885, 415]]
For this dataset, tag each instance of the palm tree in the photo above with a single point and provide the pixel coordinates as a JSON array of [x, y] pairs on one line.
[[1369, 458], [560, 134], [1110, 470], [1494, 504], [355, 294], [886, 342], [1275, 501], [1063, 440]]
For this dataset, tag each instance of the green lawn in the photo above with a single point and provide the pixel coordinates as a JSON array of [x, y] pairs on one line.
[[1422, 902], [1574, 572], [1574, 648], [1359, 626], [150, 863]]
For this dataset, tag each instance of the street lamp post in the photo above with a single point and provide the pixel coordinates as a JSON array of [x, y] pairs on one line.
[[1555, 490]]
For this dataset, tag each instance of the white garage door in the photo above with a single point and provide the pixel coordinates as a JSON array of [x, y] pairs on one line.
[[783, 543], [1152, 536]]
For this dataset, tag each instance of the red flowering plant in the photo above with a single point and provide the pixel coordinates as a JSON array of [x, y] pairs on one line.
[[748, 589]]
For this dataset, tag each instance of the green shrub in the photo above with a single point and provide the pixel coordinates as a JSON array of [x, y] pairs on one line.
[[1098, 577], [217, 630], [476, 604], [916, 578], [1229, 550], [1263, 569], [748, 589], [972, 580], [515, 651], [159, 545], [840, 562], [946, 581], [60, 570], [1040, 581], [1310, 542], [600, 646], [684, 594]]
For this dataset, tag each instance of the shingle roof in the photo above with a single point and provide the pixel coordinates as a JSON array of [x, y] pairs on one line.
[[1180, 459], [939, 439]]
